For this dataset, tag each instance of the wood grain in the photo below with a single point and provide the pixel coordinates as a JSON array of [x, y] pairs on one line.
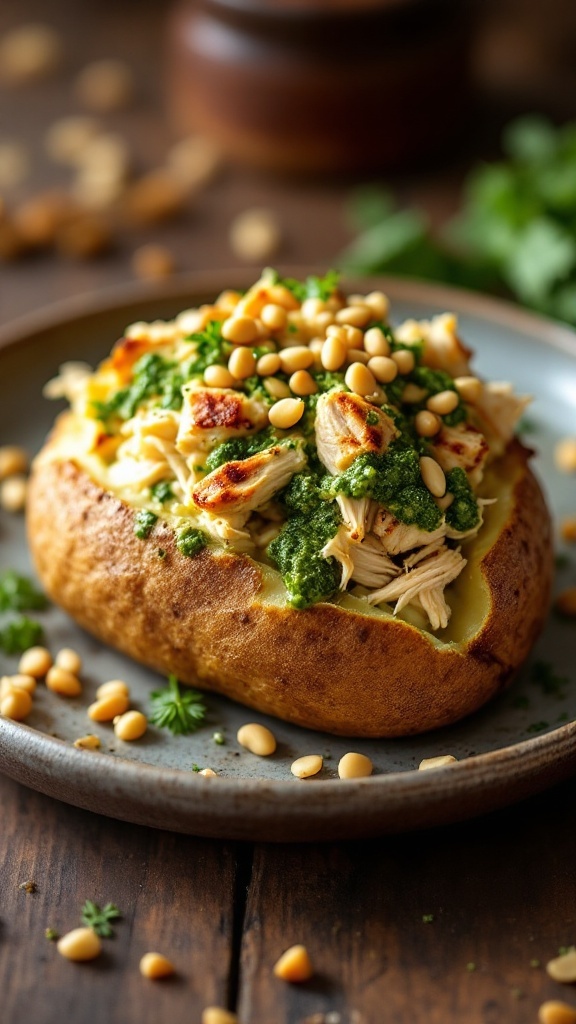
[[176, 896], [502, 892]]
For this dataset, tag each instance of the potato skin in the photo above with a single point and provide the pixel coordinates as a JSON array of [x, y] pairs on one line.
[[325, 668]]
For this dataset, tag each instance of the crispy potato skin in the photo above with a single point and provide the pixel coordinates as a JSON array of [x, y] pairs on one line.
[[325, 668]]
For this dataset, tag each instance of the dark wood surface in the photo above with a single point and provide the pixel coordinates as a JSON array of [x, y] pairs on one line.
[[501, 890]]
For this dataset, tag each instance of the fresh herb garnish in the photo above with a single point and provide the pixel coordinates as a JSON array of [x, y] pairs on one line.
[[190, 542], [544, 675], [196, 768], [51, 934], [144, 522], [427, 918], [19, 594], [211, 348], [162, 491], [181, 713], [20, 634], [98, 919], [154, 377], [312, 288]]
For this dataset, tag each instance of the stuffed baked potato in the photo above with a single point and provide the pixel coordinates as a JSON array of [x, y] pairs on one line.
[[279, 498]]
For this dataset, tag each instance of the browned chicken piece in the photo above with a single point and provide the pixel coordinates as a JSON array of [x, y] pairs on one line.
[[245, 486], [343, 430], [463, 447], [397, 537], [212, 415], [125, 353]]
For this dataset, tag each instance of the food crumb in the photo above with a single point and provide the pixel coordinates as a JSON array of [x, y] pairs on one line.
[[51, 934], [563, 968], [568, 529], [427, 918], [29, 887], [471, 967], [105, 86], [219, 738], [565, 455], [555, 1012], [535, 963], [153, 262], [255, 235]]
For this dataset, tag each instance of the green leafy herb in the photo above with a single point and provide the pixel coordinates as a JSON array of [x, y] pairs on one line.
[[181, 713], [190, 541], [19, 594], [427, 918], [313, 288], [20, 634], [153, 377], [545, 676], [196, 768], [51, 934], [211, 348], [98, 919], [144, 522], [471, 967], [162, 491]]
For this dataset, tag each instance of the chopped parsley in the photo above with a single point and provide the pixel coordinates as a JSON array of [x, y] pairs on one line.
[[162, 491], [19, 594], [181, 713], [211, 348], [427, 918], [144, 522], [372, 418], [312, 288], [20, 634], [190, 541], [99, 918], [51, 934], [154, 377]]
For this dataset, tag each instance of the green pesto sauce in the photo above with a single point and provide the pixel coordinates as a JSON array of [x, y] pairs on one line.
[[463, 514], [239, 448], [190, 542], [144, 522]]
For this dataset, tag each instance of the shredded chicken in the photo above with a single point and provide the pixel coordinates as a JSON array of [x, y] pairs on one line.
[[498, 410], [373, 568], [397, 537], [339, 547], [464, 447], [212, 415], [245, 486], [138, 473], [443, 349], [358, 515], [432, 573], [342, 430], [228, 530]]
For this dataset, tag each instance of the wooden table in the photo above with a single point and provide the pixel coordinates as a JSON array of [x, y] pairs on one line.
[[438, 927]]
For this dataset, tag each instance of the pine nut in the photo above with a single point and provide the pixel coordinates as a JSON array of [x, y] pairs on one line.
[[242, 330], [131, 726], [17, 682], [218, 376], [297, 358], [35, 662], [443, 403], [274, 317], [16, 704], [469, 388], [208, 773], [13, 461], [282, 296], [433, 476], [335, 331], [29, 53], [276, 388], [302, 383], [316, 345], [80, 944], [304, 767], [69, 660], [376, 343], [404, 360], [566, 602], [216, 1015], [294, 965], [13, 493], [383, 368], [257, 739], [354, 766], [563, 968], [154, 965], [58, 680], [311, 308], [323, 321], [242, 363], [360, 379], [427, 423], [356, 316], [105, 85], [113, 686], [379, 304], [89, 742], [436, 762], [268, 364], [286, 413], [255, 235], [333, 354], [106, 708], [153, 262], [354, 337], [413, 394], [568, 529], [564, 455], [357, 355], [555, 1012]]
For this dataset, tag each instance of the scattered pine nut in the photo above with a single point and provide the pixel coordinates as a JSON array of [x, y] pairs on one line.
[[106, 708], [155, 965], [566, 602], [355, 316], [436, 762], [80, 944], [257, 739], [255, 235], [29, 53], [84, 237], [36, 661], [208, 773], [153, 262], [555, 1012], [66, 139], [14, 164], [13, 493], [277, 388], [89, 742], [113, 686], [193, 161], [427, 423], [64, 683], [105, 85], [565, 455], [306, 766], [563, 968], [39, 218], [355, 766], [131, 726], [568, 529], [294, 965], [69, 660], [216, 1015], [268, 364], [360, 379], [18, 682], [153, 199], [16, 704]]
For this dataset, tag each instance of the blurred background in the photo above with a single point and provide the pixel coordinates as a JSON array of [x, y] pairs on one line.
[[431, 138]]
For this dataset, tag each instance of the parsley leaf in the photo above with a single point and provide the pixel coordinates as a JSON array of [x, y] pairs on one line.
[[98, 919], [181, 713], [20, 634], [19, 594], [144, 522]]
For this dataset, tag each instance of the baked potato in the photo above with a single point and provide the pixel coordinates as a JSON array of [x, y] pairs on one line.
[[279, 498]]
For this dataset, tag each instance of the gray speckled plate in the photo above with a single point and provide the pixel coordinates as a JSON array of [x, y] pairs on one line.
[[520, 743]]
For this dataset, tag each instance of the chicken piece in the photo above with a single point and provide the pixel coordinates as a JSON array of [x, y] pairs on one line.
[[245, 486], [229, 530], [497, 410], [212, 415], [339, 547], [396, 537], [372, 566], [343, 430], [443, 349], [125, 353], [358, 515], [432, 573], [138, 473], [436, 607], [464, 447]]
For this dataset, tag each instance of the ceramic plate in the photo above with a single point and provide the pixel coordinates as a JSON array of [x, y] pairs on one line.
[[517, 745]]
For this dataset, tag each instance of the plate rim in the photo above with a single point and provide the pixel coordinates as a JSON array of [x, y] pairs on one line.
[[534, 755]]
